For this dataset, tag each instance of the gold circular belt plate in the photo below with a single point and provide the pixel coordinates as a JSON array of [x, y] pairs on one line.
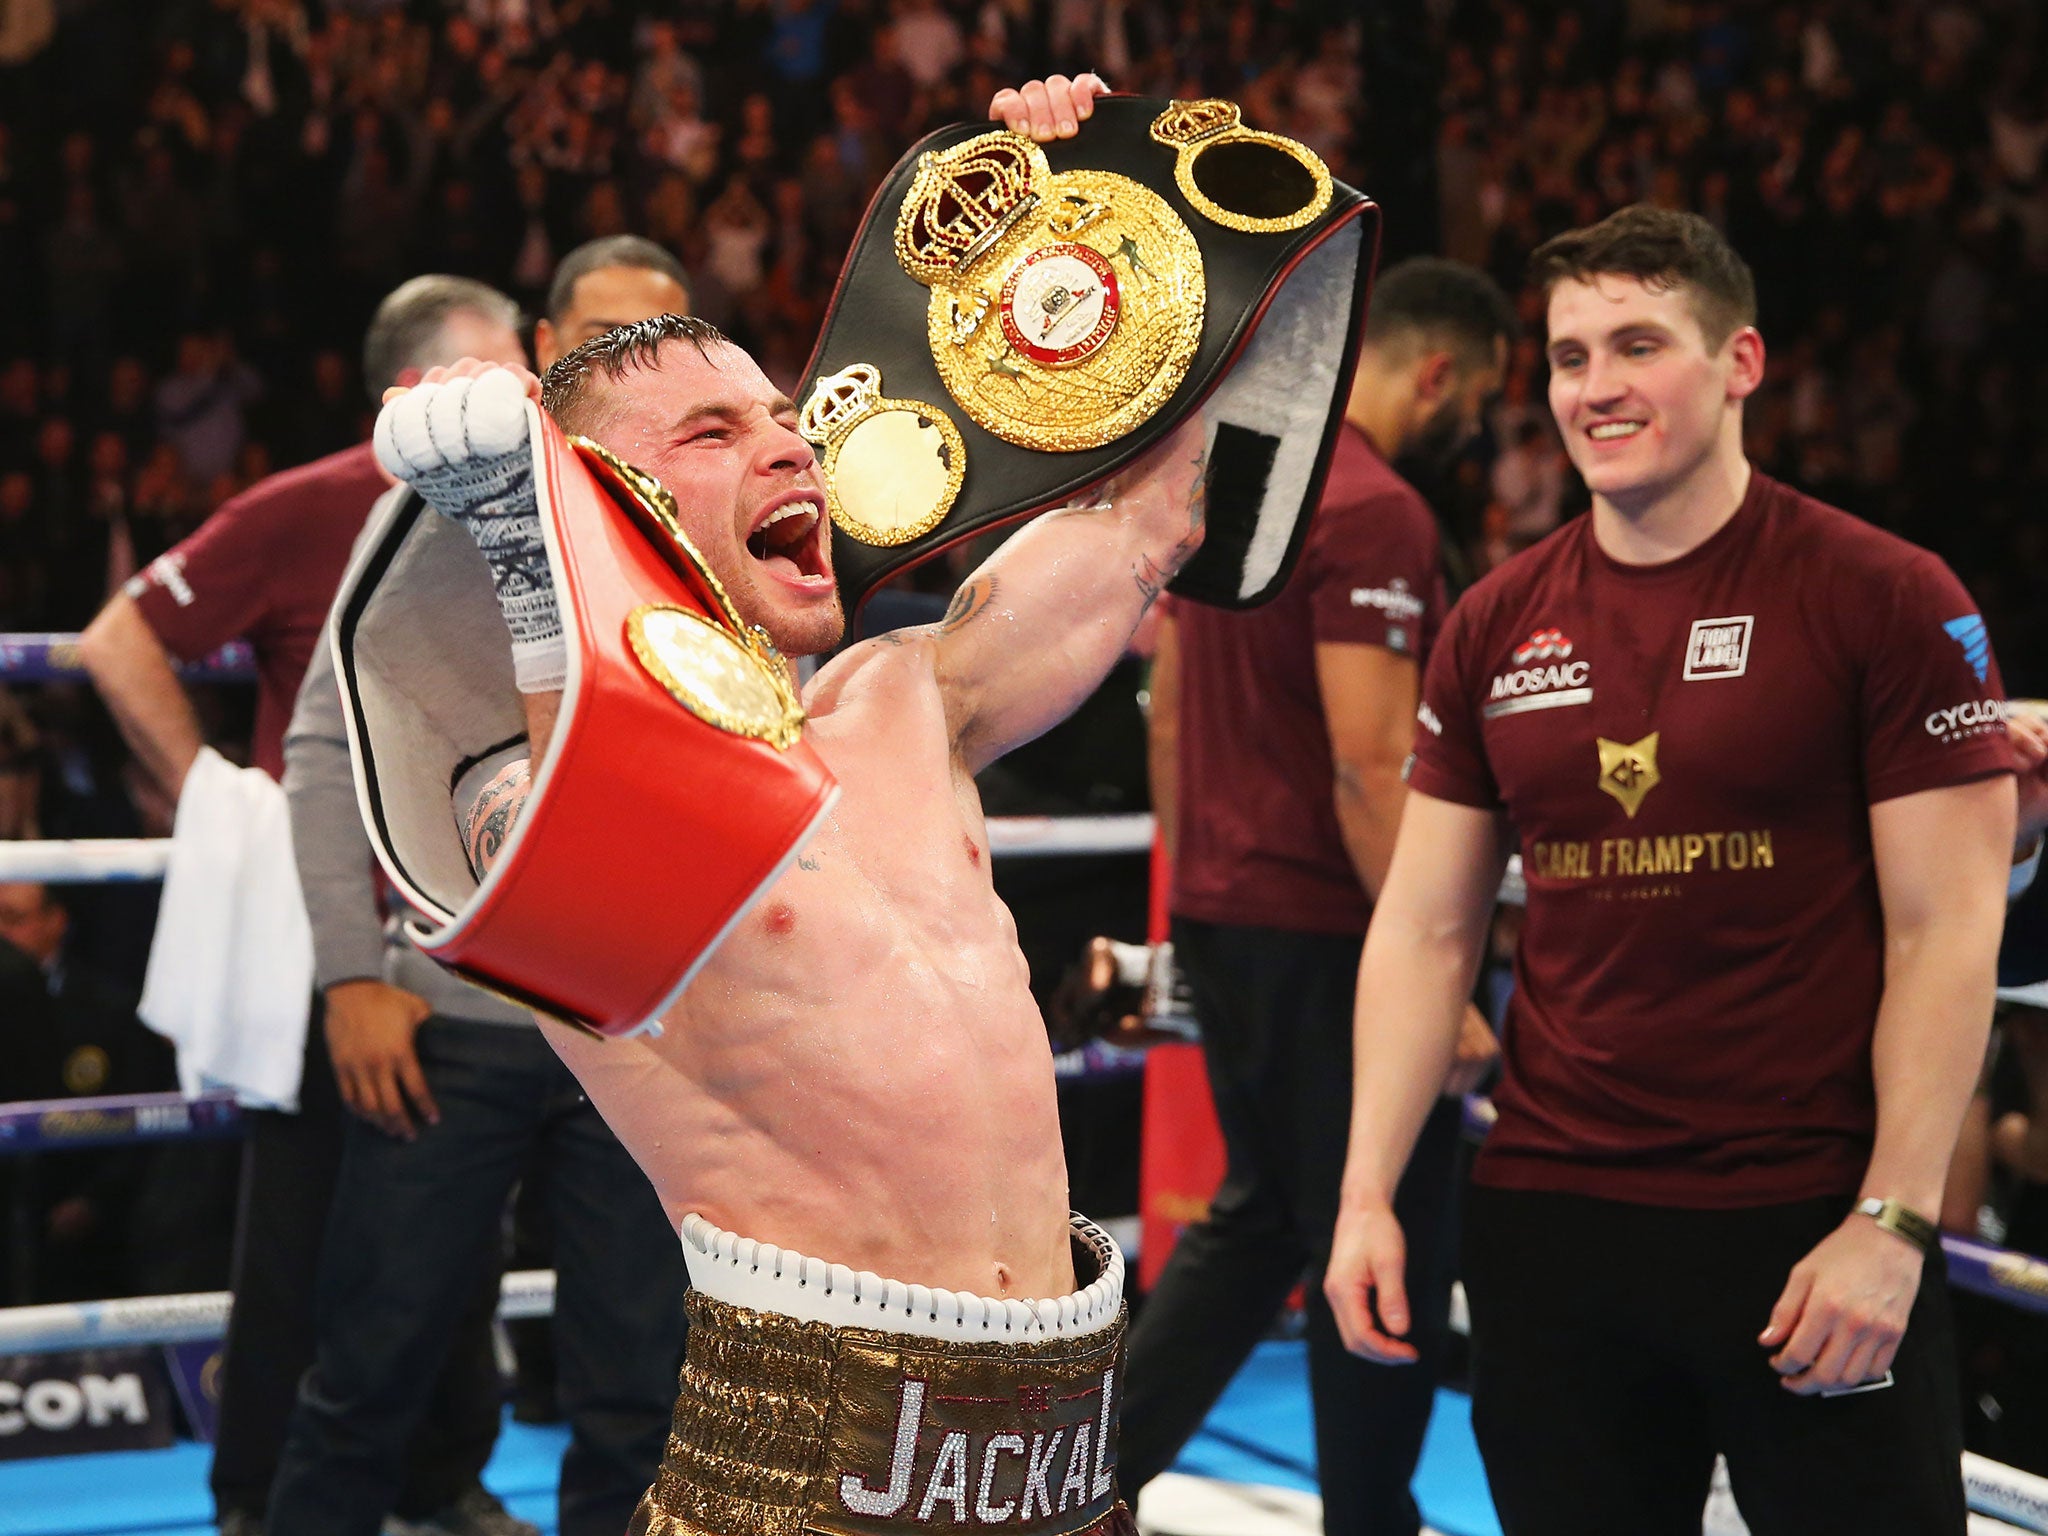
[[892, 467], [1257, 183], [708, 671], [1066, 309]]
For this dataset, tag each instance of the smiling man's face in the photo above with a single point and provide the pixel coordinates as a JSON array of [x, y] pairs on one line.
[[1640, 397], [712, 429]]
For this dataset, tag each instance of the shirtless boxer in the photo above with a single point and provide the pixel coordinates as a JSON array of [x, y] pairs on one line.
[[859, 1073]]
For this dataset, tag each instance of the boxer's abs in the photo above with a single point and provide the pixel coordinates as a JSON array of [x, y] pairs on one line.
[[860, 1072]]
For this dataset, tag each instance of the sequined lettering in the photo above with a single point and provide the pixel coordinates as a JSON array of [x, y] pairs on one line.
[[1038, 1465], [1074, 1486], [1105, 1473], [856, 1495], [985, 1512], [948, 1481]]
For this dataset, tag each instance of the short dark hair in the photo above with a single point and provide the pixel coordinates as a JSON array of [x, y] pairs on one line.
[[1663, 249], [565, 389], [1442, 301], [404, 331], [611, 251]]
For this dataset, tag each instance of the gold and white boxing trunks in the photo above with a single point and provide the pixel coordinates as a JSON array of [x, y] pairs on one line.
[[820, 1402]]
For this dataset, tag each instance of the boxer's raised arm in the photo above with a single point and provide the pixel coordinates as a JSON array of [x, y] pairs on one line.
[[1035, 630]]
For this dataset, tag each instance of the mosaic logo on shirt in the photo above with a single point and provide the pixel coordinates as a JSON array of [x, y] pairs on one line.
[[1543, 675], [1718, 648]]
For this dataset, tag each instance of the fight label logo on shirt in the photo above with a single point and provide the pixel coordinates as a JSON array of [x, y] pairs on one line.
[[1718, 648], [1543, 676]]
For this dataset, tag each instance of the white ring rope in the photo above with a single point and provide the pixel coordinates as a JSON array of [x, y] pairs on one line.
[[98, 860], [183, 1319], [85, 861]]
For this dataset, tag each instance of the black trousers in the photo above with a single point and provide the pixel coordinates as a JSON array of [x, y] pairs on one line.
[[412, 1227], [288, 1171], [1615, 1353], [1275, 1008]]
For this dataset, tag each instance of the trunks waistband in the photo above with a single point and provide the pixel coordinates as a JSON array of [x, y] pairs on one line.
[[761, 1276], [799, 1427]]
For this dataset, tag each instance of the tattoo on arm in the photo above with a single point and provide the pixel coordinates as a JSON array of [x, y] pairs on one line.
[[489, 821], [1150, 578], [968, 603], [1150, 575]]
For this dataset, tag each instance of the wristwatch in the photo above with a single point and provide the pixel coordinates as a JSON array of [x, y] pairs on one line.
[[1901, 1221]]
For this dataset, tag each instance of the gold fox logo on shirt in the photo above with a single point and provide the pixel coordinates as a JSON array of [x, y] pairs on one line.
[[1628, 771]]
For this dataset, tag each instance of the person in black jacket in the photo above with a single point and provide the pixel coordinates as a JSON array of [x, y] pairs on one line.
[[66, 1034]]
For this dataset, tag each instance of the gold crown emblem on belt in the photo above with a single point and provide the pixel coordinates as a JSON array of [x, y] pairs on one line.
[[837, 399], [964, 199], [1189, 122], [1066, 308]]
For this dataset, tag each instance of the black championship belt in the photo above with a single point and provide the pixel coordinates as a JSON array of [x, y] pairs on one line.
[[1018, 321]]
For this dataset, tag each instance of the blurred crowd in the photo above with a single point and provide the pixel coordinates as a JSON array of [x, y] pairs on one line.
[[202, 200]]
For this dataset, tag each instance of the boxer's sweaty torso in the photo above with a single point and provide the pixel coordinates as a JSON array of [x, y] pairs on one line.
[[860, 1071]]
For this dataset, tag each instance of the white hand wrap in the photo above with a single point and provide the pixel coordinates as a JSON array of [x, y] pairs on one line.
[[463, 445]]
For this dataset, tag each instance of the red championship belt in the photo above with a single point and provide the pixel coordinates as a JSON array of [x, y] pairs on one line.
[[676, 785]]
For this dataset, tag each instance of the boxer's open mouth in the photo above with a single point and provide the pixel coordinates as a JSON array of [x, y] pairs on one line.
[[789, 538]]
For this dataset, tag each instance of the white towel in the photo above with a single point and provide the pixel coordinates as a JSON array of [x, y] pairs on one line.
[[231, 967]]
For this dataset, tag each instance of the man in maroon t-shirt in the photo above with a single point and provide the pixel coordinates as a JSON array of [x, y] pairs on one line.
[[265, 567], [1278, 739], [1755, 755]]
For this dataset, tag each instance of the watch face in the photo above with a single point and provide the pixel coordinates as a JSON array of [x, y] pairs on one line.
[[1060, 303]]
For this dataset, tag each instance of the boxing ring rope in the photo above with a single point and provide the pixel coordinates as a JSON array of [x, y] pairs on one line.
[[52, 1125], [53, 658], [151, 1320], [105, 860]]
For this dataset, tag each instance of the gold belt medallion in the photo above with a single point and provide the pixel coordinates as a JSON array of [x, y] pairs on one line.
[[892, 467], [723, 670], [1065, 309], [1253, 182], [715, 674]]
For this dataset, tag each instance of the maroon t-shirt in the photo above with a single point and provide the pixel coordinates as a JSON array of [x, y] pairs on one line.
[[1688, 753], [1259, 840], [264, 568]]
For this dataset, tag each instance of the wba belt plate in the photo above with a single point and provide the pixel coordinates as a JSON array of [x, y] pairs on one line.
[[1018, 321]]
